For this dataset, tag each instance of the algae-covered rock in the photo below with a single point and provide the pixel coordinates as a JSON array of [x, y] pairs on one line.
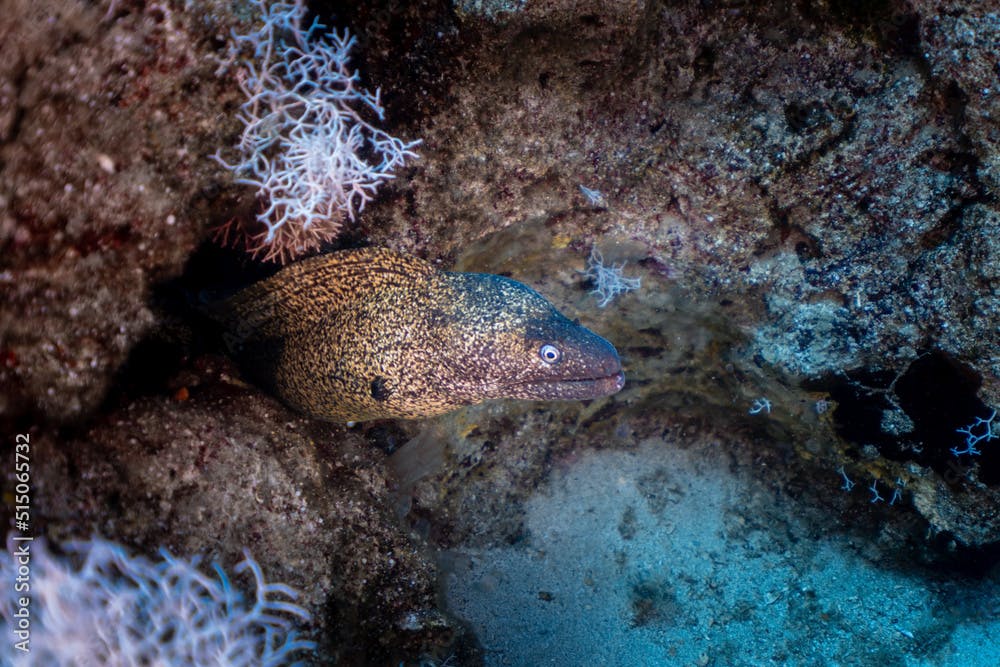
[[307, 499], [107, 117]]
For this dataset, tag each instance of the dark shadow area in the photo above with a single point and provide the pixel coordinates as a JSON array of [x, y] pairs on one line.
[[915, 416], [184, 331]]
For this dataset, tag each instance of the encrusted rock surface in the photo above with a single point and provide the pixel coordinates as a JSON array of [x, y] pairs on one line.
[[821, 160], [105, 117], [308, 499]]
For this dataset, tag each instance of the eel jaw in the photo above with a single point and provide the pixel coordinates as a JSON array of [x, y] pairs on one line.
[[571, 389]]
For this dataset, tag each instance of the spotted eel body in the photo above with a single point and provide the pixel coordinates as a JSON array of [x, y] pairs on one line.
[[372, 334]]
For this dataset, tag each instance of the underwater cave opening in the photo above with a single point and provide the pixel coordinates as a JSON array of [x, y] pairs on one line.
[[915, 415]]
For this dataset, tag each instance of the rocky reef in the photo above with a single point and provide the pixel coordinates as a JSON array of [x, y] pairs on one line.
[[806, 191]]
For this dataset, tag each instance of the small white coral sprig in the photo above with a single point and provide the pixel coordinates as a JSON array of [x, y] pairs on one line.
[[102, 606], [306, 145], [608, 279]]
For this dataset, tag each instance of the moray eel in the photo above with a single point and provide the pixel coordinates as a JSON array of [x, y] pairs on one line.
[[372, 334]]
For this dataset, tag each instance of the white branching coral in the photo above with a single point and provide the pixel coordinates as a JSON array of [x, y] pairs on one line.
[[608, 279], [306, 145], [101, 606]]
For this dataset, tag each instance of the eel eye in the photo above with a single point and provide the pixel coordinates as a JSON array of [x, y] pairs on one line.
[[550, 354]]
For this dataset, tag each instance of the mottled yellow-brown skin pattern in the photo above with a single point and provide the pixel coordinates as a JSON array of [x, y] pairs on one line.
[[372, 333]]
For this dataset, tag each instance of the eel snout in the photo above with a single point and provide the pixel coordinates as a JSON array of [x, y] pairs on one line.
[[592, 370]]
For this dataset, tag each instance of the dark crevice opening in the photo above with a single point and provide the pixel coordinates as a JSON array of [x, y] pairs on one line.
[[915, 415]]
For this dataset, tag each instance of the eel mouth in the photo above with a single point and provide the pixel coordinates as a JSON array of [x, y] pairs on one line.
[[571, 388]]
